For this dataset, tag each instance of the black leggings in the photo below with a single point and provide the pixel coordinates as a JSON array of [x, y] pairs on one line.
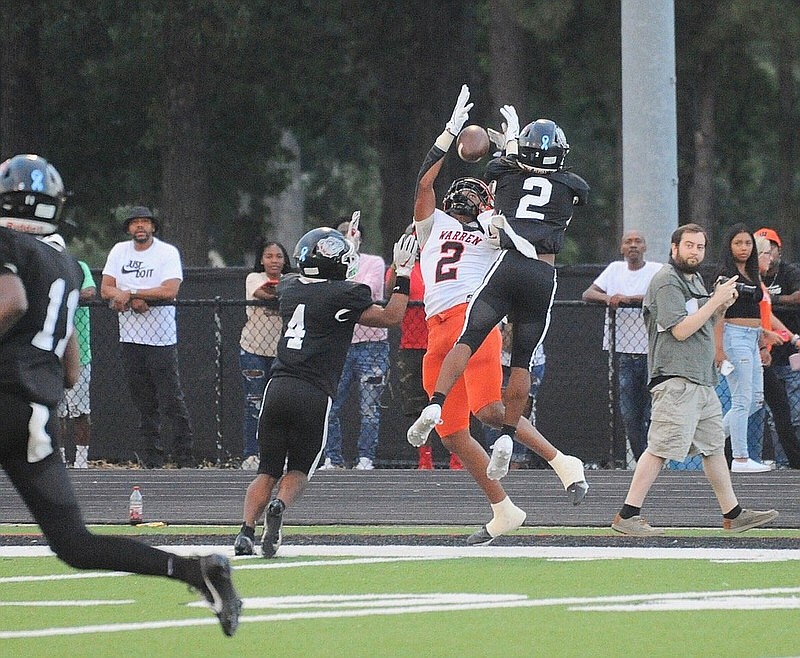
[[47, 490]]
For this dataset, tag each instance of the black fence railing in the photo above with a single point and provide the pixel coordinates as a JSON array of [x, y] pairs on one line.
[[577, 404]]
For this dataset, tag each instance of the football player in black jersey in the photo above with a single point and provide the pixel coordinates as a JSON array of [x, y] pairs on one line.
[[534, 199], [319, 308], [39, 289]]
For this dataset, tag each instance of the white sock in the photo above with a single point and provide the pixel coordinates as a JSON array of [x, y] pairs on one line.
[[569, 469], [507, 516]]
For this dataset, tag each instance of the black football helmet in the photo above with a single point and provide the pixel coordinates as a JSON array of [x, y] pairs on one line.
[[467, 196], [542, 145], [31, 195], [324, 253]]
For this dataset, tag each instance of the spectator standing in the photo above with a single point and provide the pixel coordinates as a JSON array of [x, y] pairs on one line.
[[320, 308], [621, 287], [259, 339], [39, 291], [365, 366], [138, 271], [76, 403], [687, 417], [781, 383], [740, 341]]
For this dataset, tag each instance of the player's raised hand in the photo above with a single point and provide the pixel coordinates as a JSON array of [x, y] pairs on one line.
[[511, 127], [405, 255], [352, 233], [460, 112]]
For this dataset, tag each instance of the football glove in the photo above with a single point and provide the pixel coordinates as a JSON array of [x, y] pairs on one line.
[[405, 255], [496, 222], [511, 128], [460, 112]]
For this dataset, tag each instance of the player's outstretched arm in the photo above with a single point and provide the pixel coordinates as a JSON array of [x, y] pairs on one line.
[[424, 196], [405, 254]]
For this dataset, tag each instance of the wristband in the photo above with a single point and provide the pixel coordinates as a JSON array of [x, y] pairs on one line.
[[402, 285], [445, 140]]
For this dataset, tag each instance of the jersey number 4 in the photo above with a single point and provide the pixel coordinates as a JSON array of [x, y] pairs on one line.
[[296, 328], [540, 190]]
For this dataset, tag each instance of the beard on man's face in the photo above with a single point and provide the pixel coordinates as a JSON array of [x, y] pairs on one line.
[[687, 266]]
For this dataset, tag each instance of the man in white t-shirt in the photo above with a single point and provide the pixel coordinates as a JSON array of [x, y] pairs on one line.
[[621, 286], [137, 273]]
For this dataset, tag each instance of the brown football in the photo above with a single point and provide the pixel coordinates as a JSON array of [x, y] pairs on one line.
[[472, 143]]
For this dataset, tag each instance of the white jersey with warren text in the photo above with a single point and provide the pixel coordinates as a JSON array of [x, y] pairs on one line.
[[454, 258]]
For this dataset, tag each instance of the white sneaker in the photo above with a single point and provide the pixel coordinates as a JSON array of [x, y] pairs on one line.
[[365, 464], [251, 463], [501, 458], [418, 432], [750, 466]]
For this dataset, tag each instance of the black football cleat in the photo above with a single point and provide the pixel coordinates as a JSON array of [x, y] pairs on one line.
[[219, 591], [273, 529]]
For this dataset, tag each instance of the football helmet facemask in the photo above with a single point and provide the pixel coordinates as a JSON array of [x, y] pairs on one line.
[[324, 253], [31, 195], [543, 146], [467, 196]]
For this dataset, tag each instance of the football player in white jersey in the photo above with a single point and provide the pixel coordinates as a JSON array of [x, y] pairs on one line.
[[456, 253]]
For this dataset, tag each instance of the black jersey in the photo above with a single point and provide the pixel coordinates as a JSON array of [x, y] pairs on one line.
[[537, 206], [318, 322], [31, 351]]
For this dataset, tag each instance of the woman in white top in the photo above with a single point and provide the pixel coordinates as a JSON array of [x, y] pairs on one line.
[[259, 339]]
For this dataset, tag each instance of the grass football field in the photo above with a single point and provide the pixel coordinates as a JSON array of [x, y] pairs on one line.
[[418, 598]]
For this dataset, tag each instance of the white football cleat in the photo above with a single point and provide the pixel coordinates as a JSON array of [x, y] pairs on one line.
[[418, 432], [501, 457]]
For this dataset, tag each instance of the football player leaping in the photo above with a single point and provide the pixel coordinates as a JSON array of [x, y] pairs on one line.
[[319, 308], [39, 289], [456, 254]]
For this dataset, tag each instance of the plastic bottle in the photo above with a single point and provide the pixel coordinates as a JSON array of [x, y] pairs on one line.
[[135, 507]]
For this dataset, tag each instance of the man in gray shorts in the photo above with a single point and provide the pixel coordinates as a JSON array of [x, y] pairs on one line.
[[686, 414]]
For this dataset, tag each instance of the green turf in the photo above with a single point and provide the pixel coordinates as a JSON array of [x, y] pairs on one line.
[[541, 630]]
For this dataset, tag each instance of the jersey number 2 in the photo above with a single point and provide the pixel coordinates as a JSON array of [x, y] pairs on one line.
[[296, 328], [540, 189], [446, 268]]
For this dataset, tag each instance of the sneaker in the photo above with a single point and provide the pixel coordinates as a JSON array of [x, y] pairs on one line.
[[330, 466], [750, 466], [635, 526], [273, 529], [243, 545], [364, 464], [749, 518], [219, 591], [251, 463], [418, 432], [501, 458]]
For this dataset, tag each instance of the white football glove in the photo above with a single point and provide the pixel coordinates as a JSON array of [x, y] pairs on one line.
[[511, 128], [497, 138], [496, 223], [460, 112], [405, 255]]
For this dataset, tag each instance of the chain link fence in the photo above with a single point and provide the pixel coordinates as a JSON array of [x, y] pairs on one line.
[[578, 404]]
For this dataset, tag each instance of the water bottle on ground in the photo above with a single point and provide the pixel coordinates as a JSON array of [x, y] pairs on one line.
[[135, 507]]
